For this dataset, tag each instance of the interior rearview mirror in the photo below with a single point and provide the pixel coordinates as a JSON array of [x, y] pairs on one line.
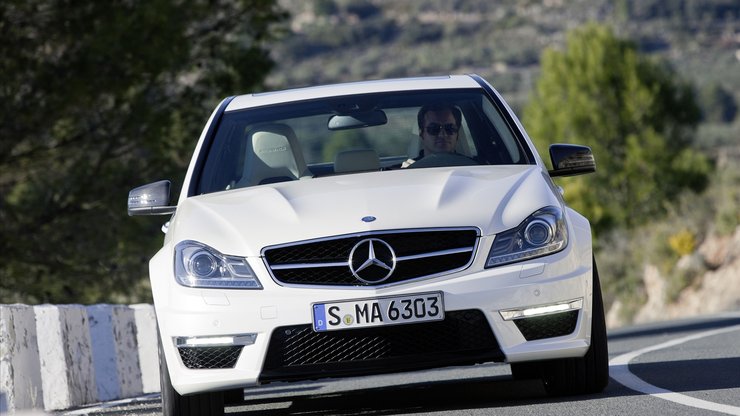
[[357, 120]]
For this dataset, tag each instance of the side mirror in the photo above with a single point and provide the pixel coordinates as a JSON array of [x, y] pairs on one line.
[[571, 159], [151, 199]]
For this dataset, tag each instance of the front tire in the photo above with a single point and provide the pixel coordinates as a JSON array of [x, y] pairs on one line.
[[572, 376], [174, 404]]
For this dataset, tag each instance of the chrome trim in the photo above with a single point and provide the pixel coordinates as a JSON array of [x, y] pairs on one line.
[[473, 250], [308, 265], [438, 253]]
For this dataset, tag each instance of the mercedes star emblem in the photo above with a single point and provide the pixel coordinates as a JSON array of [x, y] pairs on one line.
[[372, 260]]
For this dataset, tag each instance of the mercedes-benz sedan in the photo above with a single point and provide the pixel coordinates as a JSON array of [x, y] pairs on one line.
[[366, 228]]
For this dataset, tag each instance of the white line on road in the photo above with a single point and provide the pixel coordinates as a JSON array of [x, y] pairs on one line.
[[619, 370]]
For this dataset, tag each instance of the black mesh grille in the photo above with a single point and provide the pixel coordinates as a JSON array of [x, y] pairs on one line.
[[463, 337], [404, 244], [210, 357], [548, 326]]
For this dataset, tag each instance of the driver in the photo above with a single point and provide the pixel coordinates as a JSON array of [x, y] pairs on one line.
[[439, 125]]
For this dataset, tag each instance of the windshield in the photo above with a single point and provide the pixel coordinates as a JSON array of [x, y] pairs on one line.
[[358, 134]]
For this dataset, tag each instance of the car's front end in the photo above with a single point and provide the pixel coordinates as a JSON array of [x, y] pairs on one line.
[[282, 264]]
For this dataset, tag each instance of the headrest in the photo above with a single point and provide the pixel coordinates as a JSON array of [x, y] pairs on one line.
[[274, 150], [272, 155]]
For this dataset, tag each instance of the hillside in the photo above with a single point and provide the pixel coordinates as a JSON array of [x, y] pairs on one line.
[[343, 40], [336, 40], [714, 291]]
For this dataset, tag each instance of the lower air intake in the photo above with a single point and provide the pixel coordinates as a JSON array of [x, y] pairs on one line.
[[210, 357], [298, 352], [548, 326]]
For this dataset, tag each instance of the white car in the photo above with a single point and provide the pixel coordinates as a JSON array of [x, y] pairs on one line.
[[366, 228]]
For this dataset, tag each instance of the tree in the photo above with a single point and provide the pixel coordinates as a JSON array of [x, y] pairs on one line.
[[634, 113], [97, 98], [718, 104]]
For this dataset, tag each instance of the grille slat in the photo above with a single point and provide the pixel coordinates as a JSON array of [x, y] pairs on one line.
[[420, 253]]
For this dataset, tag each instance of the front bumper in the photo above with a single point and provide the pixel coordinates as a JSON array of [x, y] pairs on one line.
[[186, 312]]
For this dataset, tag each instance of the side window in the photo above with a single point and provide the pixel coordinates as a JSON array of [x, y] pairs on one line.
[[466, 141], [502, 128], [222, 168]]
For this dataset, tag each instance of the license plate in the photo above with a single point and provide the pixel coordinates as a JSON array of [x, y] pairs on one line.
[[392, 310]]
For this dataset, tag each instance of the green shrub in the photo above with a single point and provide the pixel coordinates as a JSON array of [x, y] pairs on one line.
[[682, 242]]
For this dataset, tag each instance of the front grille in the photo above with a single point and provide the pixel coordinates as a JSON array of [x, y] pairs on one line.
[[419, 253], [548, 326], [210, 357], [297, 352]]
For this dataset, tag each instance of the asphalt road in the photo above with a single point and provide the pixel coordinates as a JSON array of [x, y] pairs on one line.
[[688, 367]]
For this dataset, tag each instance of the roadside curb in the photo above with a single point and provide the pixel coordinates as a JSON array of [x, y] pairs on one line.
[[54, 357]]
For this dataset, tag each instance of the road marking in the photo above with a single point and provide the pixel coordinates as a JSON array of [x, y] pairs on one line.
[[619, 370]]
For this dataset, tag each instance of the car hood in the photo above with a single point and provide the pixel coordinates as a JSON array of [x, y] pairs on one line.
[[243, 221]]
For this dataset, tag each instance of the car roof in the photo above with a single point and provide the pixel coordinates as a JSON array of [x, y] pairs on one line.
[[245, 101]]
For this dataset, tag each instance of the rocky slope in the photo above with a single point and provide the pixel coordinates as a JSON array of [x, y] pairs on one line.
[[717, 290]]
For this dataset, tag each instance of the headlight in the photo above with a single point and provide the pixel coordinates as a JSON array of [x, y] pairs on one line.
[[197, 265], [542, 233]]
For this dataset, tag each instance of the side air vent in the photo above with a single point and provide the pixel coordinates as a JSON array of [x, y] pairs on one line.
[[548, 326], [210, 357]]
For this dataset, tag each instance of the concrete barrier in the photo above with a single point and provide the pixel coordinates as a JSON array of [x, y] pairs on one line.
[[146, 339], [65, 353], [55, 357], [20, 370], [115, 351]]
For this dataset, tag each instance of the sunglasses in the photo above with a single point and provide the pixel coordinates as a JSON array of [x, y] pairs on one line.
[[435, 128]]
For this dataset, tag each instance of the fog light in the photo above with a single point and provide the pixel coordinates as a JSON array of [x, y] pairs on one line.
[[216, 341], [541, 310]]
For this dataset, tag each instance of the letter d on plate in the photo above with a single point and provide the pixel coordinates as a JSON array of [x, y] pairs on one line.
[[319, 318]]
